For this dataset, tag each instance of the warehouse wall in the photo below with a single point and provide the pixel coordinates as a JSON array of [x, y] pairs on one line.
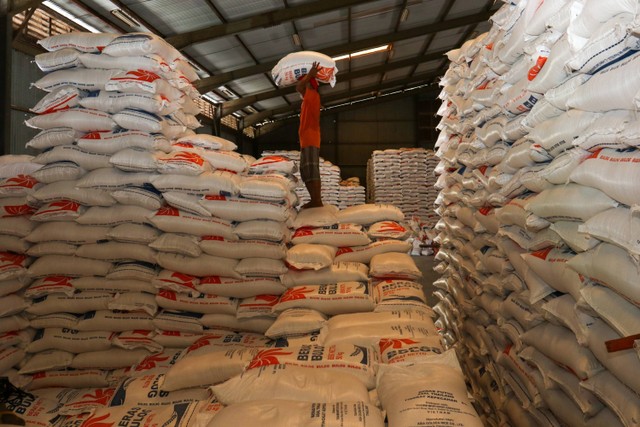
[[23, 72], [349, 137]]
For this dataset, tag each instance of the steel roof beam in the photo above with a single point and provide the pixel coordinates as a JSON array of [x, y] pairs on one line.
[[212, 82], [17, 6], [237, 104], [263, 115], [262, 20]]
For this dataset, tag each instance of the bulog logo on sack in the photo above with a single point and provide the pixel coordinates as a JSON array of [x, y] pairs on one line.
[[21, 181], [293, 294], [268, 357]]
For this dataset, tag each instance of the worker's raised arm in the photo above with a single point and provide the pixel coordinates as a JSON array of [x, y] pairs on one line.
[[301, 86]]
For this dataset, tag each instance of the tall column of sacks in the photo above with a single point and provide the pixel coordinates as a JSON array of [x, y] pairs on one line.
[[538, 228]]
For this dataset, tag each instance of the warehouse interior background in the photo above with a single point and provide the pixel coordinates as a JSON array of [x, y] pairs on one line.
[[383, 99]]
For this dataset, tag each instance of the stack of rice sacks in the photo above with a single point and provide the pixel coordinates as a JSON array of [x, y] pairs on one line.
[[404, 178], [538, 234], [351, 193], [157, 265], [16, 183], [329, 175]]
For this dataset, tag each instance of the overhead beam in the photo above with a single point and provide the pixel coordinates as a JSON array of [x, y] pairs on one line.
[[263, 115], [269, 127], [237, 104], [209, 83], [262, 20], [6, 30], [17, 6]]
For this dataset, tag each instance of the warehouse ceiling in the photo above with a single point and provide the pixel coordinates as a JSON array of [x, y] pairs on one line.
[[236, 43]]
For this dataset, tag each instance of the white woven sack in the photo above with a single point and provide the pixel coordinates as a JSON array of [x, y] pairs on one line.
[[58, 171], [205, 304], [69, 340], [151, 62], [621, 364], [394, 266], [113, 358], [289, 413], [612, 41], [69, 266], [144, 391], [337, 272], [340, 298], [370, 335], [71, 153], [81, 78], [570, 232], [558, 96], [110, 142], [267, 164], [209, 142], [296, 321], [593, 14], [239, 209], [240, 288], [369, 214], [261, 267], [338, 236], [292, 383], [181, 163], [604, 132], [620, 168], [542, 111], [393, 295], [115, 215], [609, 89], [295, 65], [272, 231], [215, 182], [553, 72], [147, 122], [271, 188], [572, 202], [177, 243], [80, 302], [78, 118], [610, 266], [53, 137], [81, 41], [619, 313], [203, 265], [138, 44], [401, 392], [307, 256], [551, 265], [172, 220], [616, 395], [232, 323], [364, 254], [238, 249], [117, 251], [46, 361], [557, 135], [316, 217], [59, 99], [409, 351], [617, 226], [185, 202], [135, 160], [344, 358], [133, 233], [60, 59], [112, 102]]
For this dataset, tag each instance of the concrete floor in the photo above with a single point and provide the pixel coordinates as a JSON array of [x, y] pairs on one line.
[[426, 263]]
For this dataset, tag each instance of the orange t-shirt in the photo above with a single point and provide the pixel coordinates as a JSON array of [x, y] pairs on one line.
[[309, 131]]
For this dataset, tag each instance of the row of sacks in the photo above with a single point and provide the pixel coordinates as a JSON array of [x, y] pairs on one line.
[[532, 206], [318, 394]]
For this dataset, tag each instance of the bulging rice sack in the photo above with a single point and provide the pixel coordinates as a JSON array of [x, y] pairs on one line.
[[295, 65]]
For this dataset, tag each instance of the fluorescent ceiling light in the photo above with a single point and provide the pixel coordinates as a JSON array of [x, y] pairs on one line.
[[125, 17], [405, 15], [69, 16], [362, 52], [296, 39]]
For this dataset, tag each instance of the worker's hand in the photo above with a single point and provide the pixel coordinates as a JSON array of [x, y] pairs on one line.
[[314, 69]]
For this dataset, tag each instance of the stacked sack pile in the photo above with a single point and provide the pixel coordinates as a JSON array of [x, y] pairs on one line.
[[332, 192], [538, 170], [16, 183], [405, 178], [151, 278], [351, 193]]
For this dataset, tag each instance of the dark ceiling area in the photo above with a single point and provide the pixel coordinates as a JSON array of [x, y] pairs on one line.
[[234, 44]]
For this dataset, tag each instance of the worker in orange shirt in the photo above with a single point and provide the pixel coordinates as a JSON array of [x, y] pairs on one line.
[[309, 134]]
